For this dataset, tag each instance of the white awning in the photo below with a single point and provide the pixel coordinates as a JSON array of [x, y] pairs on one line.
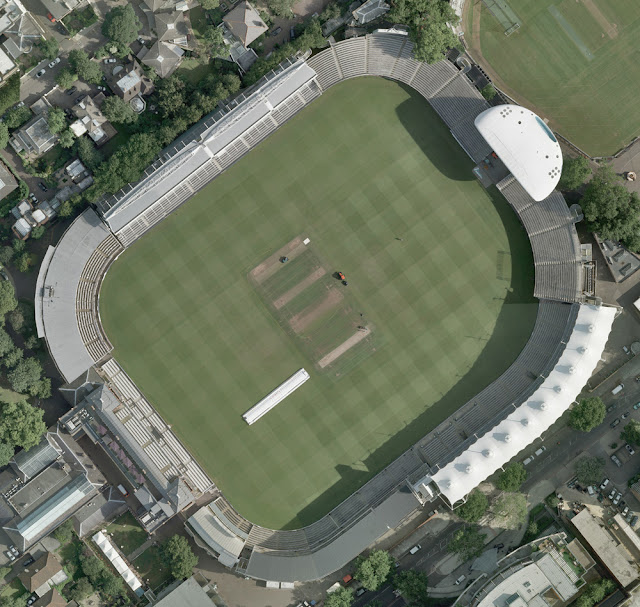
[[526, 145], [528, 421]]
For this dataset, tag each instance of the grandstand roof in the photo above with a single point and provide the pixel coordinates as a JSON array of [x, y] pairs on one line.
[[525, 144], [528, 421], [217, 535], [56, 294]]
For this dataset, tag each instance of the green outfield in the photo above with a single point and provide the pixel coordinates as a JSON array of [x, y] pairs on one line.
[[572, 61], [440, 269]]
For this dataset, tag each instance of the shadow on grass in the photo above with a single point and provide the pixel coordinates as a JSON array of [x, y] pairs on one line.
[[513, 328]]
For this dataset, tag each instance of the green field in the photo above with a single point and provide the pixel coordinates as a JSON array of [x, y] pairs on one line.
[[572, 61], [440, 267]]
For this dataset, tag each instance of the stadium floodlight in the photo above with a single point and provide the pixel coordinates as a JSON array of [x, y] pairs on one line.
[[275, 397]]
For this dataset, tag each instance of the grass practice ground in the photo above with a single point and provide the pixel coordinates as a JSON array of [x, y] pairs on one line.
[[572, 61], [439, 267]]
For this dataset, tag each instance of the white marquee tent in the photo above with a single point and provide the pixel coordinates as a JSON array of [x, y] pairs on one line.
[[104, 543]]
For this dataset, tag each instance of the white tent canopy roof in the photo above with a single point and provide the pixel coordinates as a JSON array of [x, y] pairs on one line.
[[104, 543], [525, 144], [528, 421]]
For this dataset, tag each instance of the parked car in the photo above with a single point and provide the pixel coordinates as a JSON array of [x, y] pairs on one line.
[[51, 18], [110, 60], [633, 521], [540, 451], [616, 501], [42, 186], [292, 32], [21, 104], [361, 591], [630, 449], [625, 511], [55, 62], [610, 408], [636, 406], [415, 549], [10, 556], [72, 90], [28, 561], [41, 73], [461, 579], [612, 494], [101, 88], [32, 599], [498, 546], [615, 422], [79, 98], [605, 482], [276, 31], [626, 350], [625, 414], [616, 461], [14, 550]]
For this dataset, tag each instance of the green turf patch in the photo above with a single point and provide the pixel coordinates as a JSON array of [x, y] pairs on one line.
[[366, 165], [152, 569], [573, 63], [126, 533]]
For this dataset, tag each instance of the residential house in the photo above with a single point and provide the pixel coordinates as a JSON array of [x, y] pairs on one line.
[[8, 182], [27, 219], [163, 57], [167, 5], [241, 26], [42, 575], [34, 138], [21, 35], [175, 28], [91, 121], [370, 10], [130, 81], [58, 9], [51, 599]]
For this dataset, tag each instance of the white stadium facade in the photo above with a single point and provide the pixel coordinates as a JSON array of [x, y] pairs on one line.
[[567, 341]]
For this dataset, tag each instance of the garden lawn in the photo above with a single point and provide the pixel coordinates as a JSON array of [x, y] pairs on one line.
[[441, 267], [574, 63], [127, 533]]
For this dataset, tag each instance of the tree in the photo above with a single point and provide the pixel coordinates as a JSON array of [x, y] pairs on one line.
[[6, 453], [65, 209], [90, 157], [56, 120], [213, 40], [18, 245], [12, 357], [594, 592], [7, 298], [92, 566], [172, 94], [4, 572], [6, 255], [49, 47], [21, 424], [10, 92], [282, 8], [342, 597], [510, 510], [66, 139], [532, 529], [42, 388], [489, 92], [610, 209], [587, 414], [209, 5], [23, 262], [66, 77], [86, 69], [81, 590], [6, 343], [589, 470], [428, 22], [413, 586], [575, 172], [118, 110], [467, 543], [631, 432], [4, 135], [110, 584], [474, 508], [121, 24], [26, 374], [373, 570], [179, 557], [64, 532], [512, 477], [16, 319], [17, 116]]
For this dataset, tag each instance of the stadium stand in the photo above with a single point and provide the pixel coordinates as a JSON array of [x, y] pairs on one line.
[[69, 280]]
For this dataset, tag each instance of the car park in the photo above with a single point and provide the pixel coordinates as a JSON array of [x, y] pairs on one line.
[[605, 482], [615, 422], [616, 461], [55, 62], [41, 73], [630, 449]]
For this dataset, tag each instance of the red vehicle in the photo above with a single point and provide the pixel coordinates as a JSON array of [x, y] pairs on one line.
[[341, 276], [51, 18]]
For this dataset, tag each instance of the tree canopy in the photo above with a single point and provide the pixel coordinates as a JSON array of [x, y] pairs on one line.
[[118, 110], [474, 508], [589, 470], [56, 120], [342, 597], [179, 557], [21, 424], [10, 92], [25, 375], [87, 70], [17, 116], [575, 172], [7, 298], [428, 26], [66, 139], [121, 24], [610, 209], [49, 47], [587, 414], [509, 510], [90, 157], [214, 41], [595, 592], [631, 432], [512, 477], [4, 135], [209, 4], [6, 453], [282, 8], [412, 585], [374, 570], [467, 543], [66, 77]]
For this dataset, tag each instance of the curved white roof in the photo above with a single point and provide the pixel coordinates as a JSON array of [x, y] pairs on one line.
[[528, 421], [525, 144]]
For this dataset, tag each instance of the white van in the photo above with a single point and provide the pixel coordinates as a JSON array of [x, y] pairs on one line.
[[415, 549], [617, 389], [528, 460], [123, 491], [461, 579], [540, 451]]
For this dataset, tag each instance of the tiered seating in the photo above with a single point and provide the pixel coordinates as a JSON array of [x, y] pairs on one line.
[[231, 153], [406, 66], [287, 109], [430, 79], [554, 246], [559, 282], [383, 51], [352, 57], [473, 143], [458, 101], [325, 64]]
